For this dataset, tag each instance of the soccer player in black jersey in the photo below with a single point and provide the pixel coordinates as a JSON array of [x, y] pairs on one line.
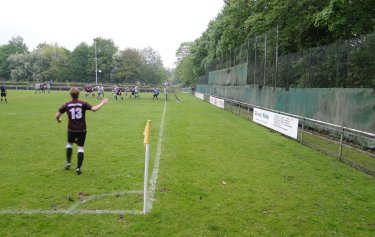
[[3, 90], [76, 110]]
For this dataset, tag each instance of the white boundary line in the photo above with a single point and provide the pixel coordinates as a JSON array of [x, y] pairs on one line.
[[101, 196], [155, 171], [65, 211], [73, 209]]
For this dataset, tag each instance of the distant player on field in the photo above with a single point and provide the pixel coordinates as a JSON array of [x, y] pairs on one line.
[[76, 110], [89, 90], [3, 90], [117, 92], [132, 92], [37, 88], [48, 86], [100, 90], [43, 88], [156, 93], [136, 92]]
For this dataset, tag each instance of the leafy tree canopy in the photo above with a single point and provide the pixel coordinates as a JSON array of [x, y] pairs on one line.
[[301, 23]]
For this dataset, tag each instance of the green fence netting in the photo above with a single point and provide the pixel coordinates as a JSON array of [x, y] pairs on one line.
[[235, 76], [348, 107]]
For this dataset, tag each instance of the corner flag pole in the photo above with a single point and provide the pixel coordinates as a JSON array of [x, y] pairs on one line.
[[146, 141]]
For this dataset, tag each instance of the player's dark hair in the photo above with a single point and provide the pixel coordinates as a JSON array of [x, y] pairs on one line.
[[74, 92]]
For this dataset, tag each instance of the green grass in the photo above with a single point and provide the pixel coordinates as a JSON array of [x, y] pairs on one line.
[[219, 175], [332, 148], [355, 156]]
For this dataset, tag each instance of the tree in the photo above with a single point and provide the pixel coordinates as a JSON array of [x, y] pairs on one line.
[[184, 72], [302, 24], [50, 62], [81, 64], [231, 26], [20, 65], [347, 19], [15, 45], [105, 49], [46, 62], [127, 65], [153, 71], [199, 54], [361, 62], [183, 51]]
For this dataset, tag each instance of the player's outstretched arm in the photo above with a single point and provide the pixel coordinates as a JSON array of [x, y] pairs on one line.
[[97, 107], [58, 116]]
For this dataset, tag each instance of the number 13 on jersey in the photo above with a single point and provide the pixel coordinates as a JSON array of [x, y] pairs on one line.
[[76, 113]]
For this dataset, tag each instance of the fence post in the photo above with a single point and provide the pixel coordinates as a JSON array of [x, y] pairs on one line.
[[248, 110], [255, 57], [289, 68], [303, 128], [234, 56], [240, 54], [265, 60], [309, 68], [277, 52], [248, 61], [338, 52], [230, 58], [247, 51], [341, 142]]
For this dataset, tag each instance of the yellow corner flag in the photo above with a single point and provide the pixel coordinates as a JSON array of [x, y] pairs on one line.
[[147, 133]]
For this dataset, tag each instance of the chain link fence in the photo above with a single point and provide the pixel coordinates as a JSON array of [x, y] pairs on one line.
[[346, 63]]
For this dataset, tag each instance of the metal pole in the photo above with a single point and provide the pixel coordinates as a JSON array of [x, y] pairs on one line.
[[248, 111], [240, 54], [145, 182], [338, 52], [277, 52], [248, 48], [265, 61], [96, 65], [288, 77], [341, 140], [309, 68], [303, 128], [255, 57], [247, 61]]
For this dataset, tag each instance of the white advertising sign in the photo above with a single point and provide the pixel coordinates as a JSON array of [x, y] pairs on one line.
[[281, 123], [217, 102], [199, 95]]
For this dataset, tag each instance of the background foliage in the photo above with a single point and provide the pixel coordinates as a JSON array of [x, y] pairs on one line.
[[53, 62], [302, 24]]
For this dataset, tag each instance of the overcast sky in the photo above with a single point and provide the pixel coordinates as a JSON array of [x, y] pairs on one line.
[[161, 24]]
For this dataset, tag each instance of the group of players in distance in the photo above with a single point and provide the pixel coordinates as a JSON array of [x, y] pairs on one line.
[[118, 92]]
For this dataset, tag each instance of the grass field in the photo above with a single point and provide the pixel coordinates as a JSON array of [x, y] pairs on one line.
[[219, 175]]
